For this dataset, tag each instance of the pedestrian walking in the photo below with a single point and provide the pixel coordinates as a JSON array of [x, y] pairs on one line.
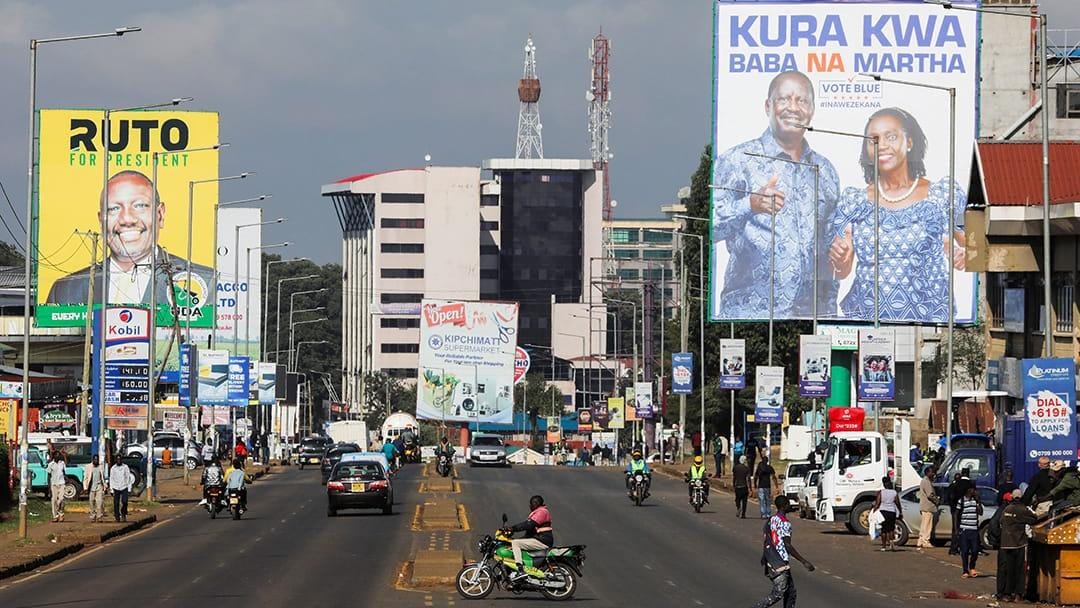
[[120, 482], [94, 482], [1013, 548], [740, 474], [888, 504], [752, 452], [720, 452], [777, 551], [57, 472], [957, 490], [928, 507], [970, 511], [765, 481], [737, 451]]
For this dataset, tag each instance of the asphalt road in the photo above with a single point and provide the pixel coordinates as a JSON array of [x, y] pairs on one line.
[[287, 552]]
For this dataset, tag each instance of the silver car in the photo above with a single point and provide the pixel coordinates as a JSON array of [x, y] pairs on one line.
[[909, 527], [808, 495], [174, 442], [487, 450]]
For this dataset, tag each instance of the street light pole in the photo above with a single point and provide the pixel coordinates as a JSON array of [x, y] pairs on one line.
[[293, 360], [277, 313], [247, 300], [28, 251], [236, 278]]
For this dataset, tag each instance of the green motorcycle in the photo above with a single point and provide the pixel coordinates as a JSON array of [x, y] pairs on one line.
[[552, 572]]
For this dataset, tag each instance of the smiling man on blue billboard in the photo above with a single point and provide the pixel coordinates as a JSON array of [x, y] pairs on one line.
[[753, 192]]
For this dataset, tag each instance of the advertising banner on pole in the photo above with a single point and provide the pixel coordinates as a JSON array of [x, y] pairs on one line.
[[682, 373], [522, 362], [616, 413], [815, 354], [601, 415], [213, 379], [239, 381], [783, 64], [643, 400], [70, 187], [769, 400], [189, 354], [267, 383], [877, 364], [585, 420], [732, 363], [1049, 407], [467, 353], [126, 397], [554, 429]]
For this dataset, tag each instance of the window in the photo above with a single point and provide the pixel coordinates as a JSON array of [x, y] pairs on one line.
[[995, 298], [401, 298], [489, 225], [400, 372], [654, 236], [626, 254], [393, 323], [657, 254], [489, 250], [402, 273], [402, 248], [394, 222], [660, 274], [624, 235], [1068, 100], [489, 273], [400, 348], [630, 274], [1063, 305], [390, 197], [489, 200]]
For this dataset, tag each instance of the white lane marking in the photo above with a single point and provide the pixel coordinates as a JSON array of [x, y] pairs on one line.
[[669, 582], [258, 538], [196, 579], [647, 566]]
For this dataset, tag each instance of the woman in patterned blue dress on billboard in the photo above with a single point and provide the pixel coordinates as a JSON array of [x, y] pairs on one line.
[[914, 237]]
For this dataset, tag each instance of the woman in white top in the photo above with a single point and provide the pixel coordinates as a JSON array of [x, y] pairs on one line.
[[888, 504]]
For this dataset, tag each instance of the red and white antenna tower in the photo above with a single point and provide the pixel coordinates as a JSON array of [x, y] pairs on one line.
[[599, 97], [530, 144]]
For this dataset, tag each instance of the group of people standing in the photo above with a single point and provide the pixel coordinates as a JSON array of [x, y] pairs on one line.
[[98, 480]]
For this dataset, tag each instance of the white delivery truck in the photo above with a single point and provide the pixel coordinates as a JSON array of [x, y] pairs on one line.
[[851, 474], [349, 431]]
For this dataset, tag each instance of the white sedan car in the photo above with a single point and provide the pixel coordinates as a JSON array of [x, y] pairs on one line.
[[942, 531]]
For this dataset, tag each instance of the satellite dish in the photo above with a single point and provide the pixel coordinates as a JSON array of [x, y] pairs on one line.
[[539, 127], [589, 96], [427, 158], [614, 203]]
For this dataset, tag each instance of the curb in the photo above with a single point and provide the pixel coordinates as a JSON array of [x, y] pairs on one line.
[[40, 561]]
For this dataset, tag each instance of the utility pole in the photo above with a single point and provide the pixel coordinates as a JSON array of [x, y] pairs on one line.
[[684, 339], [84, 399]]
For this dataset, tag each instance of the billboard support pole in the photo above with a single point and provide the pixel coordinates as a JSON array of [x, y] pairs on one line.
[[877, 264], [153, 334], [102, 352], [85, 396]]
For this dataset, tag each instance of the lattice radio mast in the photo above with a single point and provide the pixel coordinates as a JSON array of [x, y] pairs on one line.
[[529, 141], [599, 97]]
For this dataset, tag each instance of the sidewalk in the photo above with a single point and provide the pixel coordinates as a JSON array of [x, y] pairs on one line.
[[47, 542]]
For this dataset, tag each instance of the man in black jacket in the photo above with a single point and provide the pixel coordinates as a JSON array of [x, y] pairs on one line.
[[957, 490], [1010, 573], [1040, 484]]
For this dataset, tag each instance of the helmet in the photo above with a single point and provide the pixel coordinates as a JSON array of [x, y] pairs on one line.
[[637, 454], [698, 459]]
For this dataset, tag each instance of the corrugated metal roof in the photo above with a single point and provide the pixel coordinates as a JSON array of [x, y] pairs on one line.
[[1012, 172], [11, 276]]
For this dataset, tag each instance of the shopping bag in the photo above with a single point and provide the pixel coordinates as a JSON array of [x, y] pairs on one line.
[[876, 519]]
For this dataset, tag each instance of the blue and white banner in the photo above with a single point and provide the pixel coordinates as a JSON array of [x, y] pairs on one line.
[[267, 383], [781, 66], [769, 396], [732, 363], [1049, 402], [815, 354], [239, 381], [682, 373], [213, 377], [877, 364], [126, 394], [188, 355]]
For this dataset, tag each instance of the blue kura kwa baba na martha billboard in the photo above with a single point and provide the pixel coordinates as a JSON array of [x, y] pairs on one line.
[[1049, 408], [783, 65]]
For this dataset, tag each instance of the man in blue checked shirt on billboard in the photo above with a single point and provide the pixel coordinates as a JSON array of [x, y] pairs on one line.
[[782, 189]]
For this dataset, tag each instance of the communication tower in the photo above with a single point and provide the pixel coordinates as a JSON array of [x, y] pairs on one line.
[[529, 141], [599, 97]]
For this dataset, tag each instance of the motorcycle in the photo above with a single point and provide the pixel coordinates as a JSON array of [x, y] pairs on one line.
[[697, 494], [214, 504], [638, 489], [560, 566], [235, 504], [445, 465]]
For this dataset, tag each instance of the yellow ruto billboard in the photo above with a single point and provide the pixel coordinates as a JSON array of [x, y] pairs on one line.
[[73, 199]]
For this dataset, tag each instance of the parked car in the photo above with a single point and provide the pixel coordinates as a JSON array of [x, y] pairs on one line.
[[333, 456], [487, 450], [77, 457], [312, 450], [795, 478], [359, 483], [175, 443], [942, 531], [808, 495]]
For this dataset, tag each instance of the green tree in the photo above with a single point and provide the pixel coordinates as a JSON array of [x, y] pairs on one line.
[[386, 395], [9, 255], [537, 398], [969, 359]]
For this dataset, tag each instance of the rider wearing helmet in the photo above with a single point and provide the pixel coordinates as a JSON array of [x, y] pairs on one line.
[[539, 536], [697, 471], [638, 465]]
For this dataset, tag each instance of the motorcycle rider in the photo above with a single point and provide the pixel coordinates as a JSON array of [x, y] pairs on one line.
[[539, 536], [638, 465], [236, 479], [697, 471], [212, 477], [444, 449]]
